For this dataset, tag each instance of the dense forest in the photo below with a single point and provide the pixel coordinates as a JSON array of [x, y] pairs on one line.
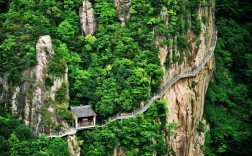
[[17, 139], [118, 67], [228, 103]]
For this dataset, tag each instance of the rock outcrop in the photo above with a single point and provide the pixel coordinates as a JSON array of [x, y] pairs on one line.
[[32, 105], [123, 7], [73, 146], [87, 18], [34, 100], [118, 151]]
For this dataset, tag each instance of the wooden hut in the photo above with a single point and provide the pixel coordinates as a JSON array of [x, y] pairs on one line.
[[84, 116]]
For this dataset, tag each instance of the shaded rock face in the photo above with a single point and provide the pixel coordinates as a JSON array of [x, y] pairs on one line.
[[29, 100], [87, 19], [73, 146], [123, 7], [185, 99]]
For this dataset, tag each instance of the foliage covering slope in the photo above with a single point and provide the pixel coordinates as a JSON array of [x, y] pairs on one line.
[[17, 139], [229, 104]]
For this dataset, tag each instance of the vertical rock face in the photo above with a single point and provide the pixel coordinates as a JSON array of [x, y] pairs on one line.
[[32, 105], [87, 19], [186, 103], [33, 99], [185, 99], [123, 7], [73, 146], [42, 93], [164, 15]]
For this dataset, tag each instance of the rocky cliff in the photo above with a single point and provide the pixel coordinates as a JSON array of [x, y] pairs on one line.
[[123, 7], [73, 146], [34, 99], [185, 99], [87, 19]]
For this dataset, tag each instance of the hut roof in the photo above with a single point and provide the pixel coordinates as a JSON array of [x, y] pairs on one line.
[[83, 111]]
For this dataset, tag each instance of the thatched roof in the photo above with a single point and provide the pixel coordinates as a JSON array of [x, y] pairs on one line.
[[83, 111]]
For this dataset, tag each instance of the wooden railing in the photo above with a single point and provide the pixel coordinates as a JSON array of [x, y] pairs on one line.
[[71, 131]]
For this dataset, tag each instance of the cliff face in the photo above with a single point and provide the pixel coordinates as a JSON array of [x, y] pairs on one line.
[[73, 146], [87, 19], [185, 99], [123, 7], [33, 100]]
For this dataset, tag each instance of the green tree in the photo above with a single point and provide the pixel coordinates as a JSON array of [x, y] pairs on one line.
[[22, 132]]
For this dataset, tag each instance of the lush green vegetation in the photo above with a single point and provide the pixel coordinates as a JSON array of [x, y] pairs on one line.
[[122, 67], [229, 104], [21, 28], [16, 139], [117, 68], [114, 70], [142, 135], [123, 58]]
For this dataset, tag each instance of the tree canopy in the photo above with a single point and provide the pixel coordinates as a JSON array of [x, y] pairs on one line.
[[228, 103]]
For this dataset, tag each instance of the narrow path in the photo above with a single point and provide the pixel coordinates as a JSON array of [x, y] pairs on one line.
[[71, 131], [141, 110]]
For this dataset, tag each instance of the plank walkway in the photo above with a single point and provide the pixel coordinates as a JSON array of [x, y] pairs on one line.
[[121, 116]]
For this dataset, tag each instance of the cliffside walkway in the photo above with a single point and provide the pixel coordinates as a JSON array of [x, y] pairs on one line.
[[170, 83], [71, 131], [121, 116]]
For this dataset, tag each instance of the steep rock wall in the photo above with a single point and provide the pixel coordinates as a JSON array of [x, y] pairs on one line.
[[185, 99], [87, 19], [33, 100], [123, 7], [73, 146]]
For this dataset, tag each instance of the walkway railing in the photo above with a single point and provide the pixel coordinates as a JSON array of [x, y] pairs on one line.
[[141, 110], [71, 131]]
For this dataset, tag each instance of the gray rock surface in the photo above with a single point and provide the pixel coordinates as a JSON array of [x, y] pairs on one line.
[[28, 100], [123, 7], [87, 18]]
